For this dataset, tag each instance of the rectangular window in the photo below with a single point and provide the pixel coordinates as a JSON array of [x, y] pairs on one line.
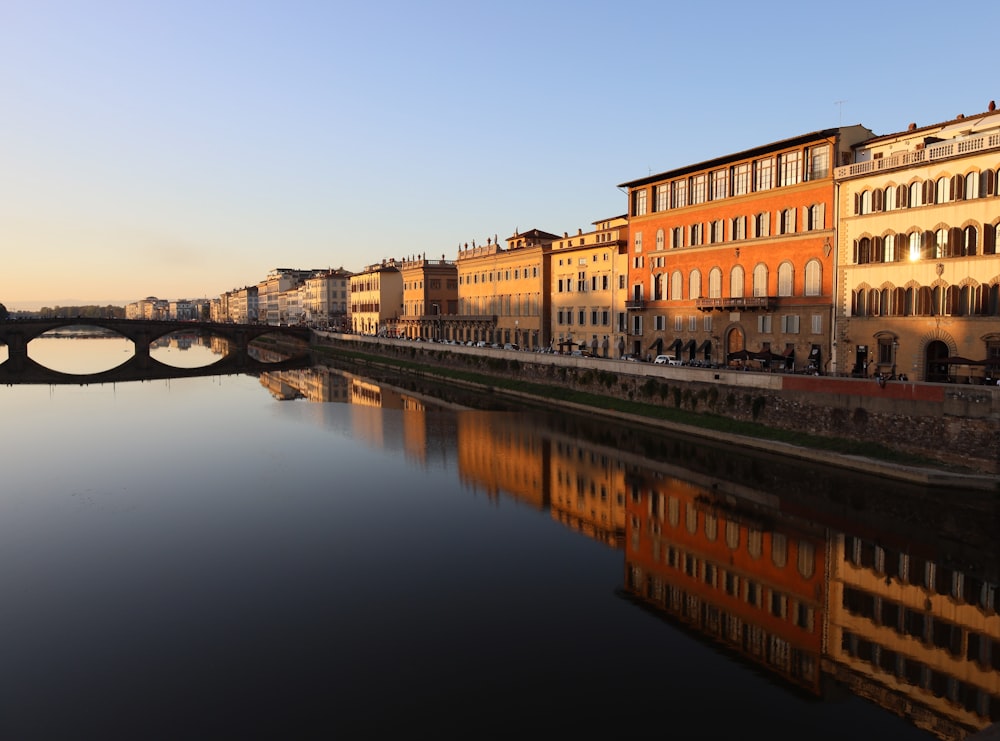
[[695, 235], [706, 323], [692, 324], [581, 282], [605, 280], [819, 162], [764, 323], [679, 193], [791, 168], [662, 197], [764, 174], [699, 186], [639, 202], [790, 324], [583, 317], [678, 324], [817, 324], [593, 318], [605, 318], [659, 322], [720, 184], [637, 324], [741, 179]]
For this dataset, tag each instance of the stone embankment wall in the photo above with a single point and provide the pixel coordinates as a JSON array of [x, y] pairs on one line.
[[952, 423]]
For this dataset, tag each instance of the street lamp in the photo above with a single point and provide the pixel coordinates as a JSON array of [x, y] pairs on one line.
[[895, 349], [517, 333]]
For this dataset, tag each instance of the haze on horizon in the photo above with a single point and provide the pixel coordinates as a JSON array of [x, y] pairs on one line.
[[183, 149]]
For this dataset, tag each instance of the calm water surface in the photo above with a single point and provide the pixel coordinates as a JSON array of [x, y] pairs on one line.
[[230, 557]]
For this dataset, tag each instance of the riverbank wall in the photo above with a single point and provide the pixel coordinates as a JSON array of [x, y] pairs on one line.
[[953, 424]]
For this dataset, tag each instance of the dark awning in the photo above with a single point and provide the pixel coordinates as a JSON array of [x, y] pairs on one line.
[[706, 345], [676, 344], [789, 350], [689, 345]]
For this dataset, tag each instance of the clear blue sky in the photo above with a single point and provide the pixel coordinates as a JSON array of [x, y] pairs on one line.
[[181, 149]]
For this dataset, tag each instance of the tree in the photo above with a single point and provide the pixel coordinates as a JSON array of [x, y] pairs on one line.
[[4, 314]]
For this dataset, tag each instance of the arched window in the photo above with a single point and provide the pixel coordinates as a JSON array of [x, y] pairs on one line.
[[755, 543], [760, 280], [711, 528], [762, 224], [732, 535], [677, 237], [779, 550], [807, 559], [673, 511], [863, 251], [715, 283], [890, 198], [814, 278], [970, 237], [940, 244], [916, 195], [785, 279], [659, 239], [914, 240], [737, 280], [694, 289], [676, 286], [971, 185], [889, 247], [691, 518], [942, 190], [866, 202]]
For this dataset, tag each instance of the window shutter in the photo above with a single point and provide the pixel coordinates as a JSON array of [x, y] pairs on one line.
[[903, 196], [878, 200], [928, 189], [987, 183], [958, 188]]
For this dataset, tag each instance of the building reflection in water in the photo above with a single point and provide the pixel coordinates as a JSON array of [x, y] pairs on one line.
[[817, 588]]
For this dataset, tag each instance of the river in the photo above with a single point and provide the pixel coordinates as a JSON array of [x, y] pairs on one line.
[[322, 554]]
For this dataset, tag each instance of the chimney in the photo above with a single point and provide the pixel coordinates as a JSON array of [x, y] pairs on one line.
[[992, 106], [911, 127]]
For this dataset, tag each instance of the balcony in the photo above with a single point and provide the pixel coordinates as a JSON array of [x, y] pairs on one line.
[[734, 304], [636, 304]]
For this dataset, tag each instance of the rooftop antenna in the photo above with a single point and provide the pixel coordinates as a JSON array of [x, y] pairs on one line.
[[840, 111]]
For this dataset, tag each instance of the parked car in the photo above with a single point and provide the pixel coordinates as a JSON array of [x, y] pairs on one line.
[[667, 360]]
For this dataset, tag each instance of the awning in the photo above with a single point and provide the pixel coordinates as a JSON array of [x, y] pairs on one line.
[[676, 344], [688, 346], [789, 350], [706, 345]]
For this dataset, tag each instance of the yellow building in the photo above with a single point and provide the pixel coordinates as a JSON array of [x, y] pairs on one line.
[[503, 293], [430, 297], [918, 269], [588, 289], [377, 299]]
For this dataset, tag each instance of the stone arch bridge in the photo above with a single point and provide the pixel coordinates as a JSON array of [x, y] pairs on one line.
[[19, 368]]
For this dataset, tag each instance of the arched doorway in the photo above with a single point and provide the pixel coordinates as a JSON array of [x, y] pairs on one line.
[[935, 369], [735, 343]]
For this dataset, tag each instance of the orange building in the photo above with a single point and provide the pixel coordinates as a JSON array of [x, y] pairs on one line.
[[430, 295], [751, 582], [732, 259]]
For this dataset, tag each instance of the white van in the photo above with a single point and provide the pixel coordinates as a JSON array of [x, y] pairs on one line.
[[667, 360]]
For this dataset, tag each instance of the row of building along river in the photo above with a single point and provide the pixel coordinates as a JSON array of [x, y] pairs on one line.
[[315, 553]]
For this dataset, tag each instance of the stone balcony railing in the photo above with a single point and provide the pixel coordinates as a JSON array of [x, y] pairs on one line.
[[733, 303], [932, 153]]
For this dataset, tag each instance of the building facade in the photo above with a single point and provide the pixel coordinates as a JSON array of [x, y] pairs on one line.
[[732, 260], [325, 299], [430, 298], [589, 273], [919, 274], [503, 293], [376, 299]]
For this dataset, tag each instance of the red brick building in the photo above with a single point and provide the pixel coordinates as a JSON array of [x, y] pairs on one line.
[[732, 260]]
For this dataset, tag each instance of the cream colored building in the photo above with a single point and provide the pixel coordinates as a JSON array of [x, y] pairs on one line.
[[503, 293], [918, 269], [325, 299], [588, 289], [376, 299]]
